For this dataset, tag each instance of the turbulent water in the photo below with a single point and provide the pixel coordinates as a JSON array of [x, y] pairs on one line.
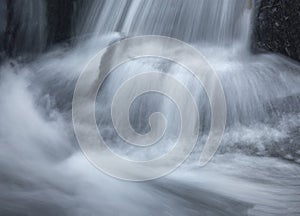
[[256, 170]]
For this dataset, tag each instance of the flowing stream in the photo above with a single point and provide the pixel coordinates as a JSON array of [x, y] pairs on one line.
[[256, 169]]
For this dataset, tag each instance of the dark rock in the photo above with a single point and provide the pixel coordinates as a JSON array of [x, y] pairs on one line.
[[59, 17], [277, 27]]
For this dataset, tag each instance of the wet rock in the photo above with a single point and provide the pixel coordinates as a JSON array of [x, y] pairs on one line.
[[277, 27], [59, 15]]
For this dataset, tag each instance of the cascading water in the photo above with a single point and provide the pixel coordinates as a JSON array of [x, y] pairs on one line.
[[219, 22], [256, 170]]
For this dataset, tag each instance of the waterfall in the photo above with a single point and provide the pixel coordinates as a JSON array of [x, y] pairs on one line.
[[254, 85], [212, 21], [44, 172], [221, 30], [209, 25]]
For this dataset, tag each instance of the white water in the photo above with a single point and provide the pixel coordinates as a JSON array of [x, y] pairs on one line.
[[216, 21], [256, 171]]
